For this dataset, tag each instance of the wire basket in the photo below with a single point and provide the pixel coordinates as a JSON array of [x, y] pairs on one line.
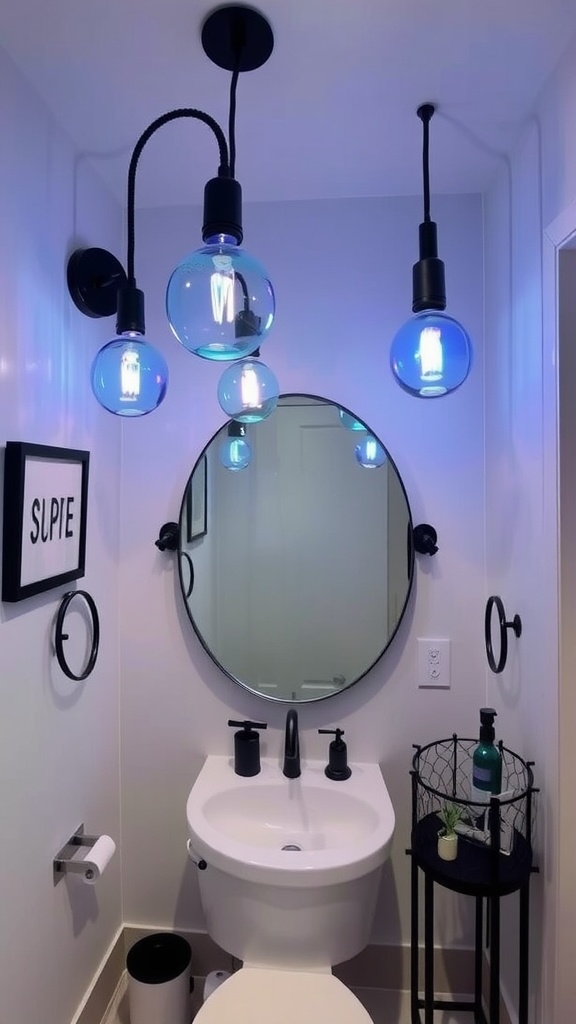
[[496, 834]]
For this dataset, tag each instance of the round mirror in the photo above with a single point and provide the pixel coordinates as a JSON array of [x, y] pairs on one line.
[[296, 557]]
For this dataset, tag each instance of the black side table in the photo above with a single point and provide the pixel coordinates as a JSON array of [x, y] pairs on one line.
[[487, 870]]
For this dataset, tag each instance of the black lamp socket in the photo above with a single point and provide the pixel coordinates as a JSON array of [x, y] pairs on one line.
[[222, 209]]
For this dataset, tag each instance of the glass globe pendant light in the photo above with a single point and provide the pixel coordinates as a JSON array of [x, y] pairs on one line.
[[248, 391], [129, 377], [220, 301], [235, 452], [369, 453], [431, 353]]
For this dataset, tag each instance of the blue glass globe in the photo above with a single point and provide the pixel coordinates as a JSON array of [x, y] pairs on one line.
[[369, 453], [129, 376], [349, 421], [235, 453], [431, 355], [248, 391], [220, 302]]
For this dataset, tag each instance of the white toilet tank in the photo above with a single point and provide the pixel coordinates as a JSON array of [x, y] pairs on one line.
[[289, 927]]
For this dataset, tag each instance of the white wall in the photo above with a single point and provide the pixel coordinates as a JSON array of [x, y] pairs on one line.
[[58, 739], [342, 273], [539, 182]]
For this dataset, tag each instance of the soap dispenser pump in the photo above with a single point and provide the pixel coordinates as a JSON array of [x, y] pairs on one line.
[[486, 760], [247, 747], [337, 767]]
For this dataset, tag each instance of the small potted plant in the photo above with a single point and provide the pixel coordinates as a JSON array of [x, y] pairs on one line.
[[449, 815]]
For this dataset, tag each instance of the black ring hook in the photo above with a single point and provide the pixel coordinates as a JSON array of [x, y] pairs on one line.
[[185, 556], [59, 636], [515, 624]]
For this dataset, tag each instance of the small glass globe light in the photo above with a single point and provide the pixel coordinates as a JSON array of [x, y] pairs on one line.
[[248, 391], [235, 453], [220, 302], [369, 453], [129, 377], [431, 354], [349, 421]]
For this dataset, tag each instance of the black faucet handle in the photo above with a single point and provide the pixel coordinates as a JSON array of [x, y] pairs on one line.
[[247, 725], [337, 767]]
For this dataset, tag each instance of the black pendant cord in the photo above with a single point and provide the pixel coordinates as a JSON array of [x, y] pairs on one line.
[[426, 168], [425, 113], [232, 120], [172, 115]]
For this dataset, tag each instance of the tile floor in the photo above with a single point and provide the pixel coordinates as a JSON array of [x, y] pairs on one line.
[[384, 1007]]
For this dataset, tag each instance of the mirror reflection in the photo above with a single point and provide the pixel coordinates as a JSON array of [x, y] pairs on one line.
[[295, 556]]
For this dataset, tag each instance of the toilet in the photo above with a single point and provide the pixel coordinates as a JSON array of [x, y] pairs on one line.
[[288, 937], [289, 875], [266, 996]]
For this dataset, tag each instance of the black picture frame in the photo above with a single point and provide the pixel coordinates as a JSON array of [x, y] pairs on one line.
[[45, 514], [197, 502]]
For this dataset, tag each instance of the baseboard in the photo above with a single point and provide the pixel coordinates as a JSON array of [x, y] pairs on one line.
[[379, 967]]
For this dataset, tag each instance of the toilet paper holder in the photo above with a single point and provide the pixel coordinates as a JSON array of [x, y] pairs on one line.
[[64, 862]]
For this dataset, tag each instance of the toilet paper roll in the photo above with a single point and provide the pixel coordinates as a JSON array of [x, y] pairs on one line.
[[213, 980], [97, 859]]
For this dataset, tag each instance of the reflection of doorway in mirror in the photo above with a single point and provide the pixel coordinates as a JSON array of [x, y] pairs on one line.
[[317, 529]]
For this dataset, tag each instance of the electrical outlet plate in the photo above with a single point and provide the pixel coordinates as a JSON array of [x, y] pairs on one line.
[[433, 663]]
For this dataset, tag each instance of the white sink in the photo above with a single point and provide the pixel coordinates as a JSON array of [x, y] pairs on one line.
[[308, 831]]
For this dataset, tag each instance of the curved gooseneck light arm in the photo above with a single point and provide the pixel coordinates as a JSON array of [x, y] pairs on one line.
[[224, 170]]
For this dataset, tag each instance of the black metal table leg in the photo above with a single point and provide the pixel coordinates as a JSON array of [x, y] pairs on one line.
[[414, 954], [478, 1012], [428, 949], [494, 1002], [523, 965]]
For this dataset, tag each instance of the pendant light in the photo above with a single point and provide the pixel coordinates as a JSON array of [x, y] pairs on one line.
[[431, 353], [369, 453], [235, 452], [220, 301]]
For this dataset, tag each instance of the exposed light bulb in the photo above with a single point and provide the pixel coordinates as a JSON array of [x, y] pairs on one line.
[[370, 454], [129, 377], [431, 354], [220, 301], [248, 391], [235, 454]]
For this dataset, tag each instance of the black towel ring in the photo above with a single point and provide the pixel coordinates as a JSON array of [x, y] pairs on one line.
[[60, 636], [515, 624]]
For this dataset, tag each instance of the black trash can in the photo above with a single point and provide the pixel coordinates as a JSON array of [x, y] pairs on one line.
[[159, 980]]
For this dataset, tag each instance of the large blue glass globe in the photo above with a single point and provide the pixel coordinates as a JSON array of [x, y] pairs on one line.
[[248, 391], [431, 355], [235, 453], [129, 376], [220, 302]]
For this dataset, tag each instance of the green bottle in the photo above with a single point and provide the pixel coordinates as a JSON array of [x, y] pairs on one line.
[[486, 761]]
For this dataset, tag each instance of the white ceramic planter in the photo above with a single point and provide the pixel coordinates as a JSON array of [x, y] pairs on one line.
[[448, 847]]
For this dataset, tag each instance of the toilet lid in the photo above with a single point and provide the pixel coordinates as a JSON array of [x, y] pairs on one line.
[[261, 996]]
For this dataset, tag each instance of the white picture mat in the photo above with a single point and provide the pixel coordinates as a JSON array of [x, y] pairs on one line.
[[44, 480]]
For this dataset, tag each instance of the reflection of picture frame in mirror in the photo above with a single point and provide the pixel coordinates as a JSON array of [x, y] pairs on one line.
[[196, 501]]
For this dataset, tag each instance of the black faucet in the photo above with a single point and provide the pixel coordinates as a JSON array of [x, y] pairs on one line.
[[291, 768]]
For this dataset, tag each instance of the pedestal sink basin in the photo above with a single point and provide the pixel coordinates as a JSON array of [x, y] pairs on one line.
[[309, 831]]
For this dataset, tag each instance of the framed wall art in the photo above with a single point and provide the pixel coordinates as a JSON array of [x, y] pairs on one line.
[[45, 508], [196, 501]]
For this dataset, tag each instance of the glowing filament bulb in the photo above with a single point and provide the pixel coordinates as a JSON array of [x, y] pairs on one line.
[[222, 290], [430, 354], [129, 375], [249, 388]]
